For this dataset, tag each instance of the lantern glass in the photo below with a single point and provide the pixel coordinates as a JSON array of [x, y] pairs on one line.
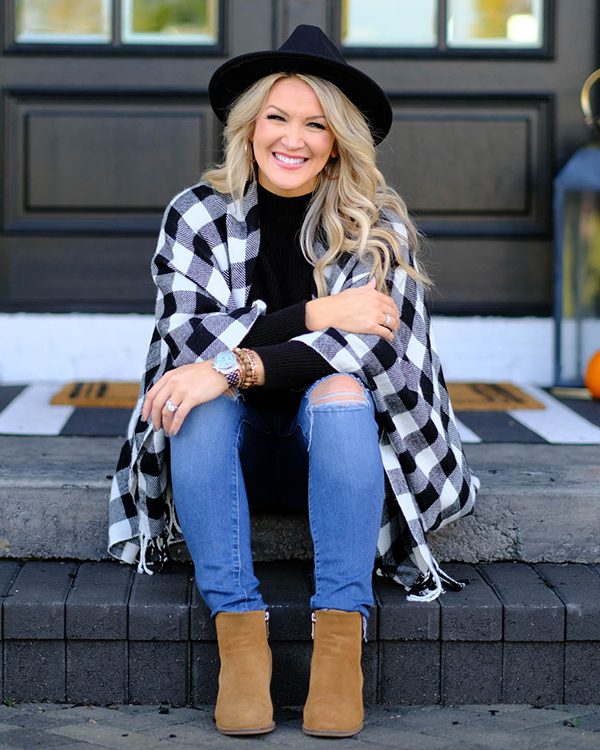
[[580, 319]]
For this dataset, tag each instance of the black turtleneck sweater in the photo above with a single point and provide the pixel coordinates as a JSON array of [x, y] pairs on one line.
[[283, 279]]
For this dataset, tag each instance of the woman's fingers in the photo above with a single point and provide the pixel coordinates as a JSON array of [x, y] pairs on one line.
[[163, 416], [390, 320], [166, 419], [357, 310], [389, 336], [385, 333], [167, 414], [182, 388], [151, 395], [390, 306], [159, 404], [147, 407], [182, 411], [378, 299]]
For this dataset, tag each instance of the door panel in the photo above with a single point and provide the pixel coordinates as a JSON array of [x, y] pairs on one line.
[[501, 184], [521, 282], [80, 273], [108, 163]]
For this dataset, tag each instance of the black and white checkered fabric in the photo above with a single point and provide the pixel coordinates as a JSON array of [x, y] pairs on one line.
[[203, 268]]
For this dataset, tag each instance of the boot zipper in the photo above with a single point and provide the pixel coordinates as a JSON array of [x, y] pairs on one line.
[[313, 617], [267, 621]]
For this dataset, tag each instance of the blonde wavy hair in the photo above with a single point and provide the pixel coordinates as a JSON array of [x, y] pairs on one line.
[[350, 197]]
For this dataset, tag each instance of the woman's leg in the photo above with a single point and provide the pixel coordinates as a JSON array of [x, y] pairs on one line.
[[212, 507], [346, 488], [346, 491]]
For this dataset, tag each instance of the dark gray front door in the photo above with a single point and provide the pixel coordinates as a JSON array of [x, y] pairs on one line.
[[99, 134]]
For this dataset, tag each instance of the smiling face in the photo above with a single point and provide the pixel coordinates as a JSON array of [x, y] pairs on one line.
[[292, 141]]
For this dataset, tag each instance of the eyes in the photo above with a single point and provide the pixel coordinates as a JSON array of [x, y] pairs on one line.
[[313, 124]]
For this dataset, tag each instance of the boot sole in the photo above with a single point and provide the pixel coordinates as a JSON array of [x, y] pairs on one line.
[[247, 730], [333, 732]]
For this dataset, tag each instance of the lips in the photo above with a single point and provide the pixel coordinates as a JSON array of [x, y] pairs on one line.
[[289, 161]]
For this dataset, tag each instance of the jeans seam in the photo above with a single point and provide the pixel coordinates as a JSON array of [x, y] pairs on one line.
[[312, 524], [237, 555]]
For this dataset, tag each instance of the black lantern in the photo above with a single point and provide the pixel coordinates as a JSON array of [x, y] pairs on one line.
[[577, 255]]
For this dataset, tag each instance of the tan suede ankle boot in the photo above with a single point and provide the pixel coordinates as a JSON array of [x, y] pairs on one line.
[[244, 703], [334, 707]]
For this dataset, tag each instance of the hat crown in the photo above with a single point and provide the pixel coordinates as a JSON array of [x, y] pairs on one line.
[[311, 40], [308, 50]]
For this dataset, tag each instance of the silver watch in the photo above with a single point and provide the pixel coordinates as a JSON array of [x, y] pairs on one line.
[[226, 363]]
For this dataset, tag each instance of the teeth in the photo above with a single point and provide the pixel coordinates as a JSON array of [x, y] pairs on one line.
[[289, 160]]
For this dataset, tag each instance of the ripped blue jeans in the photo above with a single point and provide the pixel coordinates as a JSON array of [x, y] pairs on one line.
[[230, 457]]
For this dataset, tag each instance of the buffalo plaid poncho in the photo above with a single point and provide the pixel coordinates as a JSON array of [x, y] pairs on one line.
[[203, 266]]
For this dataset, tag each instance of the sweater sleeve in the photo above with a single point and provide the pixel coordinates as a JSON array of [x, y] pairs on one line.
[[277, 327], [292, 364]]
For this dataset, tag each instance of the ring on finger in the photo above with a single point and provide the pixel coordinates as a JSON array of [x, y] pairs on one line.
[[387, 321], [170, 406]]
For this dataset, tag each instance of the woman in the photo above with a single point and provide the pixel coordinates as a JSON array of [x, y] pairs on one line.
[[291, 317]]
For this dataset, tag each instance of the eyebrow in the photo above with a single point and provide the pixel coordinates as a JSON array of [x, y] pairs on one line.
[[310, 117]]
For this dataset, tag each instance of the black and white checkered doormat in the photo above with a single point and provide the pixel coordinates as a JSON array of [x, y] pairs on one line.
[[26, 410]]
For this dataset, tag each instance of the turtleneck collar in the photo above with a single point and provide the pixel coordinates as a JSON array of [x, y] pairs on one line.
[[281, 209]]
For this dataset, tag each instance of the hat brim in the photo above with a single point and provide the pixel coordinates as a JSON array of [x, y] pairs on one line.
[[232, 78]]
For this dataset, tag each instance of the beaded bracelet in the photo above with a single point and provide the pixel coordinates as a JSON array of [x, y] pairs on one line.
[[246, 381], [248, 362], [253, 368]]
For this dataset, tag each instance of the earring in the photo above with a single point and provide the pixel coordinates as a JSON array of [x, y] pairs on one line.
[[248, 153], [327, 173]]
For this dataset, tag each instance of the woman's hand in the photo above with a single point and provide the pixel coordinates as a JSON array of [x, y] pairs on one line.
[[185, 387], [360, 310]]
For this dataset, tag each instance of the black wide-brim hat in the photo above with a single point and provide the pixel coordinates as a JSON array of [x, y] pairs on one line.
[[308, 50]]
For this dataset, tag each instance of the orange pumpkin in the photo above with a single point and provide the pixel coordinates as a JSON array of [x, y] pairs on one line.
[[592, 375]]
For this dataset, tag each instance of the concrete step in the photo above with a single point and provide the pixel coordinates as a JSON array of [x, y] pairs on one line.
[[538, 503], [100, 633]]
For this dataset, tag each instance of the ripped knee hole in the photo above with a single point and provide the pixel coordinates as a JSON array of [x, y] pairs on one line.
[[338, 390]]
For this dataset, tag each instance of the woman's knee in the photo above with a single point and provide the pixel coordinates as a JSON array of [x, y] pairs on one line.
[[207, 433], [338, 389], [217, 418]]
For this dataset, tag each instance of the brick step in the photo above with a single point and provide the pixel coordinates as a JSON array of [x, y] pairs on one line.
[[97, 632], [537, 503]]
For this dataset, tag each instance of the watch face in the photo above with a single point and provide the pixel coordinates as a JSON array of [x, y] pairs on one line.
[[225, 361]]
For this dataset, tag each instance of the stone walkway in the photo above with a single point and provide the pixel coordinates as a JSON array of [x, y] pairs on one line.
[[500, 727]]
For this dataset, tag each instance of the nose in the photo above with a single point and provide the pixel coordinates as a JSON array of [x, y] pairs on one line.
[[292, 138]]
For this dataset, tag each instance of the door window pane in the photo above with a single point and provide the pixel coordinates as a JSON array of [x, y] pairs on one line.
[[170, 21], [513, 24], [63, 21], [389, 23]]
